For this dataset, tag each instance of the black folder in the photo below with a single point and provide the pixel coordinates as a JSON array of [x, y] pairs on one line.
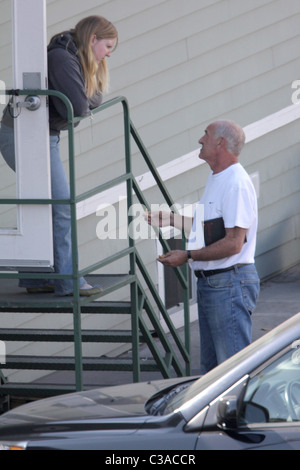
[[214, 230]]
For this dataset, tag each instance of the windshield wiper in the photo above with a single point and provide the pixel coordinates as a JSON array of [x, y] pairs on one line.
[[159, 405]]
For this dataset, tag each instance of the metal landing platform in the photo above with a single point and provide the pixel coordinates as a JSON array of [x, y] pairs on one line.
[[16, 299]]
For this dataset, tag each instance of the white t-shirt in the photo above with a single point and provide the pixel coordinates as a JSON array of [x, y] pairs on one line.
[[229, 194]]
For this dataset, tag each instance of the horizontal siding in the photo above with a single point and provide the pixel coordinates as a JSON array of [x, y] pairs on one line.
[[182, 65], [173, 92], [276, 158]]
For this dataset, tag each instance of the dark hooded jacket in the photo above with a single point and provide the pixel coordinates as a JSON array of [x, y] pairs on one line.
[[65, 74]]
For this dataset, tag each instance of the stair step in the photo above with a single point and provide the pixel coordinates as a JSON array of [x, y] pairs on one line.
[[68, 363], [15, 299], [96, 307], [91, 336]]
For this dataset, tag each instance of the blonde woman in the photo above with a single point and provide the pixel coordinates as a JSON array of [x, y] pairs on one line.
[[77, 67]]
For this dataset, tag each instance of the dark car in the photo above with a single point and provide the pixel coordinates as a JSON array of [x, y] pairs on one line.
[[251, 401]]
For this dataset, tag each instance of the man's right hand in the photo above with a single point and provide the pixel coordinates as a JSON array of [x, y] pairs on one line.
[[160, 219]]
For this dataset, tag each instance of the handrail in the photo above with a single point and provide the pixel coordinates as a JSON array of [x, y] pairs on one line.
[[182, 274], [150, 165], [161, 307], [131, 251]]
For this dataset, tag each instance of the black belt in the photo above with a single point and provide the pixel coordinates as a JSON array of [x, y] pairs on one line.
[[212, 272]]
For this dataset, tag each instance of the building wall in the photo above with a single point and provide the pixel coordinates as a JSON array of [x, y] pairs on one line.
[[182, 65], [276, 158]]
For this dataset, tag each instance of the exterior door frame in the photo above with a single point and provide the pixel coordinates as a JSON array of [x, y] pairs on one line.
[[30, 245]]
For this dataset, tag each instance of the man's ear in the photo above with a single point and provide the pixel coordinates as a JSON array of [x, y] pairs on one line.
[[222, 143]]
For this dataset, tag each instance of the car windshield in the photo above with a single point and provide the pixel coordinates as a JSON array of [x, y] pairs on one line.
[[181, 394], [274, 392], [226, 367], [168, 401]]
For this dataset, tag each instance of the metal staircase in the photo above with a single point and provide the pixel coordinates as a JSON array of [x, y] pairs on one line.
[[145, 311]]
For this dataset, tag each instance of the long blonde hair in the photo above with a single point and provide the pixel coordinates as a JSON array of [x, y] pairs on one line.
[[96, 75]]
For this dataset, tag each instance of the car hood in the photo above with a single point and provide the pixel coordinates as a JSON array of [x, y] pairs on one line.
[[114, 404]]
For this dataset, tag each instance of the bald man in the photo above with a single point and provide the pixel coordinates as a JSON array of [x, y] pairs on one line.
[[227, 280]]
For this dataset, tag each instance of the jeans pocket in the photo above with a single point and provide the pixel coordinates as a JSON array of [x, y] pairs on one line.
[[220, 281], [250, 292]]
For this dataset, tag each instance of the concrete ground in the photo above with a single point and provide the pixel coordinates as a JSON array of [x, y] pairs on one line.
[[279, 300]]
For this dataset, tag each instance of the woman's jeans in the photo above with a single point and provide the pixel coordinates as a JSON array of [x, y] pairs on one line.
[[225, 304], [61, 214]]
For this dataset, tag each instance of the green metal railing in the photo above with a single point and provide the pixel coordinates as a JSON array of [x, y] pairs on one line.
[[139, 299]]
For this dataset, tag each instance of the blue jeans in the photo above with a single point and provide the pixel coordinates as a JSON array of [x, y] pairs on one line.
[[225, 304], [61, 214]]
